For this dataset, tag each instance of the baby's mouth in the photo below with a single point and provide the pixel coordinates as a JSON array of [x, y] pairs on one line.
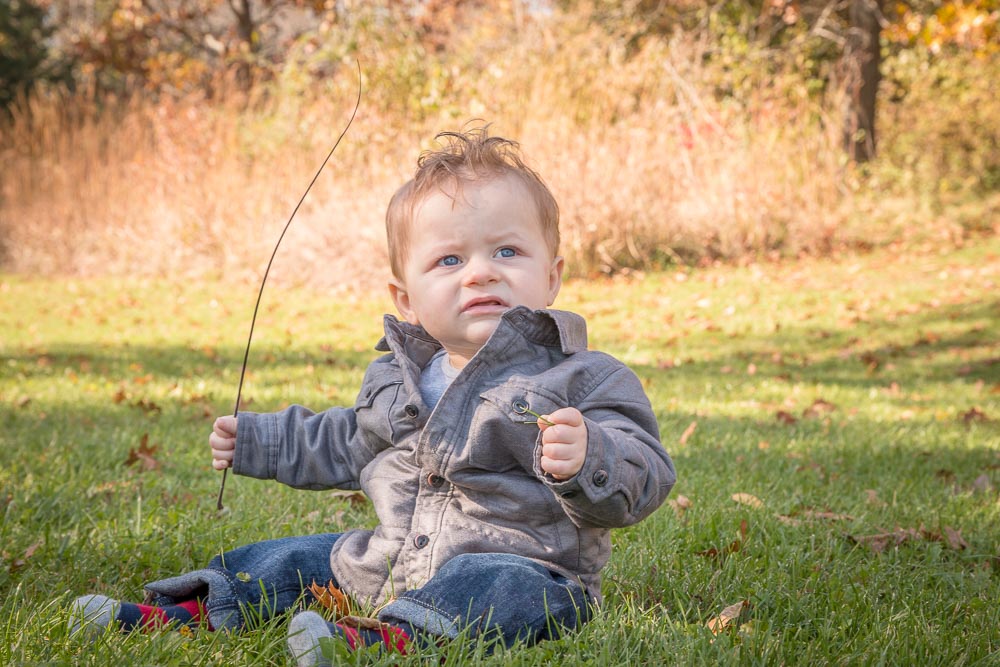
[[484, 304]]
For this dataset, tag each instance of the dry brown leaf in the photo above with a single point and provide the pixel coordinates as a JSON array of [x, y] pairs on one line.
[[974, 415], [23, 560], [954, 539], [361, 622], [688, 431], [734, 547], [812, 515], [727, 616], [331, 598], [818, 407], [680, 504], [143, 454], [827, 516], [148, 406], [871, 496], [785, 417], [982, 483], [748, 499], [879, 542]]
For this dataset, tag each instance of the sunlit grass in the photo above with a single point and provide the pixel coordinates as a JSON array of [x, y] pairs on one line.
[[901, 351]]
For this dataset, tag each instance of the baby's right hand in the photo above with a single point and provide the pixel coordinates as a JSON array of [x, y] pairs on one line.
[[223, 442]]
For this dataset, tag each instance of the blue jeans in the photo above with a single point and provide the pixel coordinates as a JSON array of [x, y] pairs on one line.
[[502, 597]]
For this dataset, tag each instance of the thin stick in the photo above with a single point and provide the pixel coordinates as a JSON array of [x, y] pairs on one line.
[[253, 321]]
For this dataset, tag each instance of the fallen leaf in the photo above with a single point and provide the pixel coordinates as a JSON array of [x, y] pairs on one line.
[[726, 617], [331, 598], [954, 539], [148, 406], [143, 454], [871, 361], [734, 547], [982, 483], [818, 407], [688, 431], [813, 515], [871, 495], [361, 622], [23, 560], [945, 474], [879, 542], [785, 417], [748, 499], [680, 504], [974, 415]]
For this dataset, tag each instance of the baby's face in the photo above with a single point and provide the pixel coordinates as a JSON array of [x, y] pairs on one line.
[[471, 258]]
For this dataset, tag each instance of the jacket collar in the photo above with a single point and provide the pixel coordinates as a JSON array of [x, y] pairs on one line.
[[550, 328]]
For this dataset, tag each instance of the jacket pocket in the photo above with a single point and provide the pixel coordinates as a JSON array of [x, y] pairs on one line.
[[504, 432], [377, 406], [521, 404]]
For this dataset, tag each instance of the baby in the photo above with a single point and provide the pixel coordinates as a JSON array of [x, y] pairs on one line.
[[497, 449]]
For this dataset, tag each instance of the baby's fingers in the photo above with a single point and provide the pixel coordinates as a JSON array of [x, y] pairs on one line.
[[567, 416]]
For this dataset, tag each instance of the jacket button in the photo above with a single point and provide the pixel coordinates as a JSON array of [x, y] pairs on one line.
[[411, 411], [520, 407], [435, 480], [421, 541], [600, 478]]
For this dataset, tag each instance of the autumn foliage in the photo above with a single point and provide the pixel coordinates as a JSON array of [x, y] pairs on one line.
[[671, 134]]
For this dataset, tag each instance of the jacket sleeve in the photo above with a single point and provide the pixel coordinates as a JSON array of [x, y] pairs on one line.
[[302, 449], [627, 473]]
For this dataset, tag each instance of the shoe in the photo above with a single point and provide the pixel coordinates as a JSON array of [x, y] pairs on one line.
[[92, 614], [305, 631]]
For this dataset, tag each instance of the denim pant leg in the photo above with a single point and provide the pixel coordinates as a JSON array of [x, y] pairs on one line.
[[255, 582], [497, 596]]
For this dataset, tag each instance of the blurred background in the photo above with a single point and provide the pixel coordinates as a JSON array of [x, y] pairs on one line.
[[173, 138]]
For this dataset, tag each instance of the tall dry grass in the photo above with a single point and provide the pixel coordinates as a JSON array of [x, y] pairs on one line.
[[649, 163]]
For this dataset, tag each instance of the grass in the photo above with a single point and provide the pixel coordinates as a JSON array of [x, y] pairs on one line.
[[852, 397]]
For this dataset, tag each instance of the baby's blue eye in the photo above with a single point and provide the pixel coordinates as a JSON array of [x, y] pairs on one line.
[[449, 260], [506, 253]]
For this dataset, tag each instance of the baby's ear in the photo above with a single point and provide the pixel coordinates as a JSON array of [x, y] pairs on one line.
[[555, 278], [400, 297]]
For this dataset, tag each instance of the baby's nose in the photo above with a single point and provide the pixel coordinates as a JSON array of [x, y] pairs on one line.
[[479, 270]]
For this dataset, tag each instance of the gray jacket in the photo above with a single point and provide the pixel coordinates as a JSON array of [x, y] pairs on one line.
[[465, 476]]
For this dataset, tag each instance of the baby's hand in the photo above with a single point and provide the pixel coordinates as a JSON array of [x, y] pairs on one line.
[[564, 442], [223, 442]]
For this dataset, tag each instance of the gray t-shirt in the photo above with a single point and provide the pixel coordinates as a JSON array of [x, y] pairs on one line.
[[435, 378]]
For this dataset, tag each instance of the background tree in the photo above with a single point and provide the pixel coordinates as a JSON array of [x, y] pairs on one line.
[[862, 63], [24, 53]]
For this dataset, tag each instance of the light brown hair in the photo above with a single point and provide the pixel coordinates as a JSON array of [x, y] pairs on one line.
[[465, 157]]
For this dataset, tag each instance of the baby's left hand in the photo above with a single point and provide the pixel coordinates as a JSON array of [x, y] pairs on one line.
[[564, 442]]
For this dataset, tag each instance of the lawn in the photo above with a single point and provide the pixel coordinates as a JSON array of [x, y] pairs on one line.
[[835, 426]]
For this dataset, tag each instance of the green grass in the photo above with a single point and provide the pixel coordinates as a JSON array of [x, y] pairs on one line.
[[903, 350]]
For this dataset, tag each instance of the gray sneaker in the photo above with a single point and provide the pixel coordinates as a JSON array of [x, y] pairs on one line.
[[305, 631], [92, 614]]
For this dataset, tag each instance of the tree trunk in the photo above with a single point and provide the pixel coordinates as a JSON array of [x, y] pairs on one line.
[[862, 61], [243, 11]]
